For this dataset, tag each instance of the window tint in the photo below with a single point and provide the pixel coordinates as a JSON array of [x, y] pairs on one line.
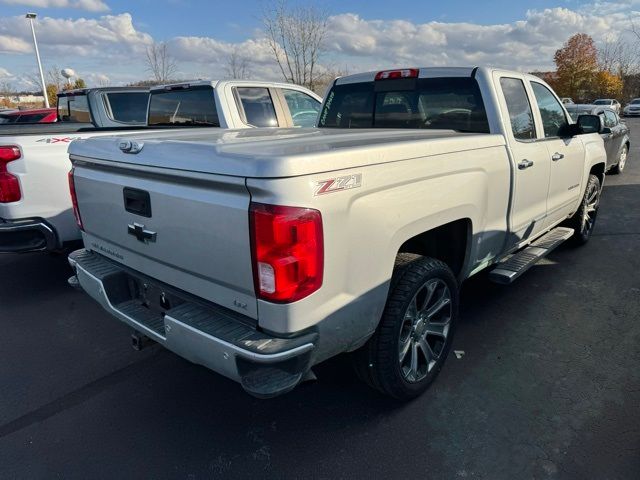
[[519, 108], [127, 107], [610, 119], [552, 113], [258, 106], [31, 118], [192, 106], [74, 108], [8, 118], [304, 108], [603, 102], [429, 103]]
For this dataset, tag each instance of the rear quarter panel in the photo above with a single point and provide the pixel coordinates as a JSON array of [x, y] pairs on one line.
[[364, 227]]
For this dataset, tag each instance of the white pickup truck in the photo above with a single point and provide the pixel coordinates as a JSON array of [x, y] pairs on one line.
[[35, 207], [262, 253]]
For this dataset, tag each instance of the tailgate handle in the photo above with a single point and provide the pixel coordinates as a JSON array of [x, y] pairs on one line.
[[137, 201]]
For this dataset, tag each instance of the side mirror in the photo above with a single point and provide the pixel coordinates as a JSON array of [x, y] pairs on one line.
[[589, 124], [605, 131]]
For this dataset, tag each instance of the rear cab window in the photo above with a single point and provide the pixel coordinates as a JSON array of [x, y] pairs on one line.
[[126, 107], [74, 108], [452, 103], [192, 106]]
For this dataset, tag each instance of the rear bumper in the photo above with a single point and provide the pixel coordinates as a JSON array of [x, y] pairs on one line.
[[213, 336], [27, 235]]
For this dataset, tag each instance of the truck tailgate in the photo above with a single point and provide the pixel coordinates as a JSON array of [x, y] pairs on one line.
[[181, 229]]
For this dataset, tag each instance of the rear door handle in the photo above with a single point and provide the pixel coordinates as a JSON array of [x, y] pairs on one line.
[[524, 164], [557, 156]]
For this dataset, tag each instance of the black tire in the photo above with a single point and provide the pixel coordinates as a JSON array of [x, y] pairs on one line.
[[583, 228], [622, 161], [378, 362]]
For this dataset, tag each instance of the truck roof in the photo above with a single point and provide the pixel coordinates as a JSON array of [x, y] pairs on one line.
[[219, 83], [81, 91], [426, 72]]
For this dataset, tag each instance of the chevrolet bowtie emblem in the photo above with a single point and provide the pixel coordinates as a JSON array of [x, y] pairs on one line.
[[145, 236]]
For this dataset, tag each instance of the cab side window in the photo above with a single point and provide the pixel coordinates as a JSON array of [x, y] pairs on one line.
[[258, 106], [552, 113], [610, 119], [304, 108], [519, 108]]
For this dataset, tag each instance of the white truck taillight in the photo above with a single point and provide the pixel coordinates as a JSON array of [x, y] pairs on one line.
[[74, 199], [9, 183], [287, 250]]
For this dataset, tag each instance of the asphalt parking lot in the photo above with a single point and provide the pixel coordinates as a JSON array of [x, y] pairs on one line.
[[548, 386]]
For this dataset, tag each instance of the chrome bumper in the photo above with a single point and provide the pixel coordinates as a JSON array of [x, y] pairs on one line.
[[213, 336], [27, 235]]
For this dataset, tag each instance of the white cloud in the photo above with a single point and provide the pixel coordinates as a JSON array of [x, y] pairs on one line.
[[104, 37], [11, 44], [526, 44], [111, 44], [5, 74], [89, 5]]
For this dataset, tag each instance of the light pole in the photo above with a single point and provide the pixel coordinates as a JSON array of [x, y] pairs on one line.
[[31, 16]]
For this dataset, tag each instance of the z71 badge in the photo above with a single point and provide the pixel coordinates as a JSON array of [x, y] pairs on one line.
[[338, 184]]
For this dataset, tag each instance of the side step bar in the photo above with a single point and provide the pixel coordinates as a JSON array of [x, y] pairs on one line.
[[507, 271]]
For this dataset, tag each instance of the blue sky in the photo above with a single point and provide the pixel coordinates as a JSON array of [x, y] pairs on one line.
[[230, 20], [105, 40]]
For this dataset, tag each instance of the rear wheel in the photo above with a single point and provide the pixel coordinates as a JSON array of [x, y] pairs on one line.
[[622, 161], [584, 220], [415, 333]]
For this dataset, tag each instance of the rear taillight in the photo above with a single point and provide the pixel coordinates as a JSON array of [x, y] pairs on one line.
[[394, 74], [9, 184], [287, 250], [74, 199]]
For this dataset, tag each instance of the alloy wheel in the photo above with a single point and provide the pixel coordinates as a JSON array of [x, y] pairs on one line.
[[424, 330], [591, 209]]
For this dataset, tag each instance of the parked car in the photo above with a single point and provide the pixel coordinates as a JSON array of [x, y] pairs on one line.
[[615, 134], [35, 207], [567, 101], [39, 115], [632, 109], [610, 103], [261, 253]]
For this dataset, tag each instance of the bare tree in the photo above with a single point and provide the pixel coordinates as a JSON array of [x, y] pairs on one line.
[[6, 89], [54, 77], [618, 56], [237, 66], [326, 76], [296, 37], [160, 63]]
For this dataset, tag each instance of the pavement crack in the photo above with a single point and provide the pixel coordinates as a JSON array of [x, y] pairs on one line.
[[73, 399]]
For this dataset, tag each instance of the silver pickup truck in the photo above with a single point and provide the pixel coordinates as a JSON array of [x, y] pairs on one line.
[[260, 253]]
